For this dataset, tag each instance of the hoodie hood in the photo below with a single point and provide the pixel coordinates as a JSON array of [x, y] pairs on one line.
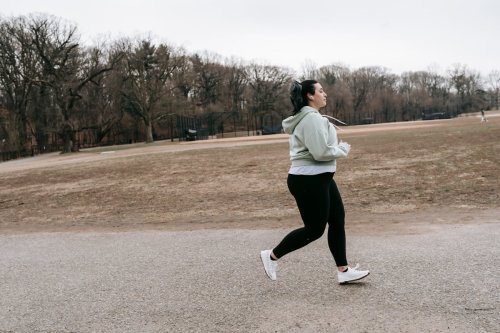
[[291, 122]]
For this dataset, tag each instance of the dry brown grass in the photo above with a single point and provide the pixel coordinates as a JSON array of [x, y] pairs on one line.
[[392, 175]]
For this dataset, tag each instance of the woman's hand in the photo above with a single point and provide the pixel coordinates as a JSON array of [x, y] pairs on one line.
[[345, 147]]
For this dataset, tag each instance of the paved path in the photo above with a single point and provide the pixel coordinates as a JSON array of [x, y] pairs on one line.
[[212, 281]]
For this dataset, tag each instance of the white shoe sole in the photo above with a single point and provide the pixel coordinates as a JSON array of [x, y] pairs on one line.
[[346, 282]]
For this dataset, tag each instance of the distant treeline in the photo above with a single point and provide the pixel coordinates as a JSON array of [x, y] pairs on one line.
[[57, 94]]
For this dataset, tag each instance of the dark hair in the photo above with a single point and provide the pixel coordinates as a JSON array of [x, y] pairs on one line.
[[298, 93]]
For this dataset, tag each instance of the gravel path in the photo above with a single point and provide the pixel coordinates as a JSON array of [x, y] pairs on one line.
[[446, 280]]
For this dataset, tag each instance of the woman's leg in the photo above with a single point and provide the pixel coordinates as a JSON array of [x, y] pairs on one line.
[[312, 194], [336, 230], [336, 239]]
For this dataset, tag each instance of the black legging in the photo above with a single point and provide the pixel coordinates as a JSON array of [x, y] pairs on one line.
[[319, 202]]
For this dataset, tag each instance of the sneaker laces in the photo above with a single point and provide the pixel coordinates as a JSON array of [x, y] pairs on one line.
[[355, 267]]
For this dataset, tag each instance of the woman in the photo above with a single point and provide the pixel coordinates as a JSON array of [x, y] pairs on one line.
[[314, 148]]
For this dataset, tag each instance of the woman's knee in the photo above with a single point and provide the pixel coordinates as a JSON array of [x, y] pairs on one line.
[[337, 218], [315, 233]]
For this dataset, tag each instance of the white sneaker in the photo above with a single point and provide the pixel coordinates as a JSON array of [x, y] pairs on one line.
[[352, 274], [270, 266]]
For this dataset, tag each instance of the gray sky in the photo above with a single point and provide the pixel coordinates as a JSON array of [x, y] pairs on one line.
[[398, 34]]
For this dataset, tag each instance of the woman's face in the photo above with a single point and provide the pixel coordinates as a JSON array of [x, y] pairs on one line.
[[318, 100]]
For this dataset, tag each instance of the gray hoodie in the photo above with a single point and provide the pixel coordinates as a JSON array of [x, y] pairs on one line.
[[313, 140]]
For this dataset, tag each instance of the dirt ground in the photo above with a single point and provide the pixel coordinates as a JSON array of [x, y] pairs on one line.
[[399, 178]]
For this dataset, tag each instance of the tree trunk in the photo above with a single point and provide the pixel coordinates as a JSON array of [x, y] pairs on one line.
[[149, 131], [67, 146], [21, 120], [67, 136], [496, 98]]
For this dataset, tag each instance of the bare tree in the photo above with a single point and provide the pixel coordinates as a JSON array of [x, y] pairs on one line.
[[209, 75], [310, 70], [439, 90], [236, 81], [17, 69], [62, 59], [267, 85], [101, 107], [147, 73], [494, 86], [364, 83], [334, 79], [331, 74], [388, 105], [466, 83], [414, 87], [184, 78], [339, 100]]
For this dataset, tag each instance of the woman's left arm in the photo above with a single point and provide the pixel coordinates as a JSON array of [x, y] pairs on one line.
[[317, 138]]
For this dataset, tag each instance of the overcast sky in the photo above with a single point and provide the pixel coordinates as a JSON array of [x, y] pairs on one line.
[[398, 34]]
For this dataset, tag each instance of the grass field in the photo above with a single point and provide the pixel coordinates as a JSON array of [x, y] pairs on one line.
[[397, 175]]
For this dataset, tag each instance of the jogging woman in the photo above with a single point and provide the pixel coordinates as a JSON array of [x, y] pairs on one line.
[[314, 149]]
